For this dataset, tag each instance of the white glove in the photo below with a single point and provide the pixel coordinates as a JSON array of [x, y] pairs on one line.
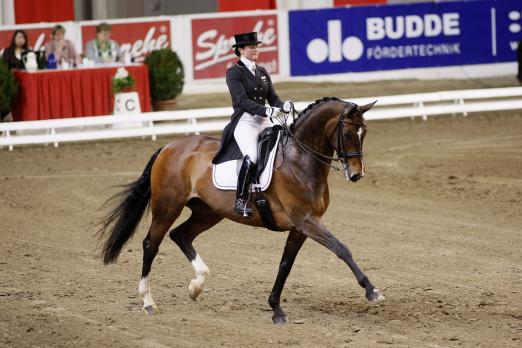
[[273, 112], [288, 106]]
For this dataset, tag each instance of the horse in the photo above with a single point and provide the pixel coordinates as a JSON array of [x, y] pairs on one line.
[[179, 175]]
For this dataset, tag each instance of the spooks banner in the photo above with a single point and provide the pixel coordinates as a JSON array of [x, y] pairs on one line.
[[403, 36]]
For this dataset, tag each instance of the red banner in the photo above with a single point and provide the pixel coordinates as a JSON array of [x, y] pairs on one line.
[[136, 38], [37, 38], [241, 5], [212, 40], [37, 11]]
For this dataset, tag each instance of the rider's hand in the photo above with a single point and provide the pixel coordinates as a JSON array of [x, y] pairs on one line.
[[288, 106], [273, 112]]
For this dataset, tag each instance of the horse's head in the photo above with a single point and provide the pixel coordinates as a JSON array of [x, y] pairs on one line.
[[330, 124], [348, 137]]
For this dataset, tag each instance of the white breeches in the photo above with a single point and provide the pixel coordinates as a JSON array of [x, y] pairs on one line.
[[247, 133]]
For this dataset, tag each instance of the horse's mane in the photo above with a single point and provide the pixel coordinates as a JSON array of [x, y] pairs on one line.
[[310, 108]]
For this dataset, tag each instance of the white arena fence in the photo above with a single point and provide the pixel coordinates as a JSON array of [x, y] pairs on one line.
[[197, 121]]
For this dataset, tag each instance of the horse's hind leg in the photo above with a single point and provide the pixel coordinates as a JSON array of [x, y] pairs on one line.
[[159, 226], [202, 218]]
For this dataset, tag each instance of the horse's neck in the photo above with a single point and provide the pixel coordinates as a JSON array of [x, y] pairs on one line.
[[312, 129]]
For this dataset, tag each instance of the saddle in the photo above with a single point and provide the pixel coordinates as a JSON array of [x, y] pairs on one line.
[[224, 175]]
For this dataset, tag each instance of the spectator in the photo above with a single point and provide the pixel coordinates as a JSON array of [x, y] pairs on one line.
[[13, 54], [103, 49], [62, 48]]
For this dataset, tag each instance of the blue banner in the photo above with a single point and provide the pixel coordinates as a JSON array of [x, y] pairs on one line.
[[387, 37]]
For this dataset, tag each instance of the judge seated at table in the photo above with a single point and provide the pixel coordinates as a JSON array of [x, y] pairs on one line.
[[63, 49], [103, 49], [13, 54]]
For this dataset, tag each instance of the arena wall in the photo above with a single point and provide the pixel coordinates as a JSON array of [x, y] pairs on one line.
[[424, 40]]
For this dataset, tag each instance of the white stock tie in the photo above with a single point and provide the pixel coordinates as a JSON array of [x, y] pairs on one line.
[[253, 69]]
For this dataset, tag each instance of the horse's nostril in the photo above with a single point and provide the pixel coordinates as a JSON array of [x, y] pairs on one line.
[[355, 177]]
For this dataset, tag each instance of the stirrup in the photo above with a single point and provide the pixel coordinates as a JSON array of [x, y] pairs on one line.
[[241, 208]]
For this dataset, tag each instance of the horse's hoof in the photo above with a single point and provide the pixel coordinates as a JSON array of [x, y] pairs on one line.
[[279, 319], [150, 310], [193, 290], [375, 296]]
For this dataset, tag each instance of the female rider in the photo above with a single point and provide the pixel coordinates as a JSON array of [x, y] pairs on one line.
[[250, 87]]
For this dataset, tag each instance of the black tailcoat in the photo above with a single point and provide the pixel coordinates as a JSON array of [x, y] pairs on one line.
[[249, 94]]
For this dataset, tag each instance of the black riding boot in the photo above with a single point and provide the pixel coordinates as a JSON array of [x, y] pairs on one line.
[[246, 175]]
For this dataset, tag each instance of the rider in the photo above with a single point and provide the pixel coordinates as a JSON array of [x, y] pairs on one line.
[[250, 86]]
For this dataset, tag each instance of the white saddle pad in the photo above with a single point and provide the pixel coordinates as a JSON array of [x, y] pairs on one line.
[[224, 175]]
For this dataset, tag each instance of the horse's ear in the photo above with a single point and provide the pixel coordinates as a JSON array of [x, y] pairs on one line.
[[367, 107]]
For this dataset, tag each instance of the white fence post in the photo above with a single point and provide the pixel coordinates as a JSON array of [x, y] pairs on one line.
[[53, 134], [151, 126], [461, 102]]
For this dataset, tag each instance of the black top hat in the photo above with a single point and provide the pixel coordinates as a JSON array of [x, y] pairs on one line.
[[246, 39]]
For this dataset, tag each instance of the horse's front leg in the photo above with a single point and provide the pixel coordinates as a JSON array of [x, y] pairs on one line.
[[312, 228], [293, 244]]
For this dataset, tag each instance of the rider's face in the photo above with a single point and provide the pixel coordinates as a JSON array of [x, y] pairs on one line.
[[250, 52]]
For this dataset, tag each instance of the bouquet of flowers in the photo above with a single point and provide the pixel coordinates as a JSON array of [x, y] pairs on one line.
[[122, 81]]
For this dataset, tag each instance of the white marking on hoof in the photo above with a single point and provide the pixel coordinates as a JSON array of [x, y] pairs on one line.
[[196, 285], [144, 290], [377, 296]]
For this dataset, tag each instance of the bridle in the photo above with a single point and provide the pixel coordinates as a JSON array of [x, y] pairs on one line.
[[345, 156], [342, 156]]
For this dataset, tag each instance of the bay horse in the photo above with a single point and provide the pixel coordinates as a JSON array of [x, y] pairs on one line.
[[180, 174]]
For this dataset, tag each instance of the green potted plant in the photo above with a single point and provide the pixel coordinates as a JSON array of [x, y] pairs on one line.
[[166, 77], [8, 88]]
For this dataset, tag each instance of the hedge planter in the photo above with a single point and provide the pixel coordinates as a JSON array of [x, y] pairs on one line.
[[8, 88], [166, 76], [164, 105]]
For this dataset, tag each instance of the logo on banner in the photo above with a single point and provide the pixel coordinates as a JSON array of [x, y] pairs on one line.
[[514, 16], [139, 48], [514, 27], [216, 48], [135, 38], [360, 39], [352, 48], [212, 40]]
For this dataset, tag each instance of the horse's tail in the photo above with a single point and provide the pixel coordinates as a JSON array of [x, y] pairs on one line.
[[128, 208]]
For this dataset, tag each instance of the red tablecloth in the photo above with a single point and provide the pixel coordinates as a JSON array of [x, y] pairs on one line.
[[73, 93]]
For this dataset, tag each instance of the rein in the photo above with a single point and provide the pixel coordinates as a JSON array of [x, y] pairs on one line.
[[342, 157]]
